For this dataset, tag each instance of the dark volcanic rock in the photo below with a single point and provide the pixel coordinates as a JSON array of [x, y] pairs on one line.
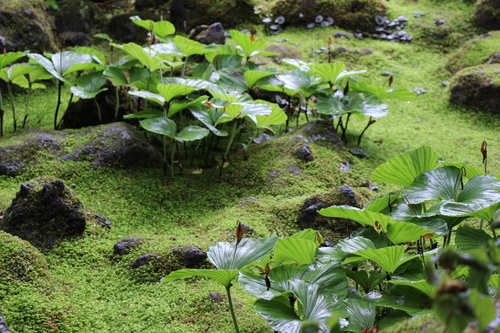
[[213, 34], [488, 14], [477, 86], [75, 39], [303, 151], [190, 256], [77, 16], [144, 260], [44, 212], [123, 30], [116, 144], [26, 25], [341, 195], [322, 133], [124, 246]]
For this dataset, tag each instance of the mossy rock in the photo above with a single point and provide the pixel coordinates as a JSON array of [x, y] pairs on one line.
[[347, 14], [26, 25], [122, 29], [188, 14], [477, 86], [44, 212], [475, 52], [116, 144], [488, 14], [19, 260], [78, 16]]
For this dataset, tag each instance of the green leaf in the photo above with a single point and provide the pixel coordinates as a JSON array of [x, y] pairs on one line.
[[421, 285], [400, 232], [367, 282], [354, 244], [317, 305], [361, 315], [188, 46], [252, 77], [227, 61], [223, 276], [176, 106], [329, 105], [404, 168], [331, 276], [223, 254], [89, 85], [277, 116], [363, 217], [116, 75], [10, 57], [192, 133], [300, 82], [157, 98], [170, 91], [64, 63], [383, 92], [388, 258], [391, 319], [403, 298], [484, 308], [467, 238], [328, 72], [367, 105], [210, 119], [146, 57], [160, 125], [160, 28], [298, 250], [246, 43], [147, 113]]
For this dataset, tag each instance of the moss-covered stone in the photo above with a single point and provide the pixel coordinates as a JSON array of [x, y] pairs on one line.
[[44, 212], [26, 25], [19, 260], [475, 52], [477, 86], [488, 14], [78, 16], [187, 14], [122, 29], [347, 14]]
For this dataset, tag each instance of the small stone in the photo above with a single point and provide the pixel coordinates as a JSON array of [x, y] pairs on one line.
[[144, 260], [327, 243], [217, 296], [345, 166], [3, 325], [124, 246], [358, 152], [190, 255], [419, 91], [244, 201]]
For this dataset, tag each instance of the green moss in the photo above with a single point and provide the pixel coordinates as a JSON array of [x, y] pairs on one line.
[[475, 52], [19, 260]]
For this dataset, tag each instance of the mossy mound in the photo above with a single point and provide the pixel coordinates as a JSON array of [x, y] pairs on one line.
[[188, 14], [475, 52], [44, 212], [347, 14], [488, 14], [26, 25], [19, 260], [477, 86], [78, 16]]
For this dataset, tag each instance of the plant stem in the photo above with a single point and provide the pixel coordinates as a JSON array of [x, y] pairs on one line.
[[164, 156], [58, 103], [12, 104], [231, 308], [1, 115], [364, 130], [233, 132], [172, 161], [117, 102], [98, 110]]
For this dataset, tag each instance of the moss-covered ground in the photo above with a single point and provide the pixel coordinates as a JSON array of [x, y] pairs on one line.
[[89, 289]]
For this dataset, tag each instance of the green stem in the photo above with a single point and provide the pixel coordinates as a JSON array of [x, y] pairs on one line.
[[27, 103], [98, 110], [172, 161], [231, 308], [165, 155], [12, 104], [58, 104], [233, 132], [1, 115], [251, 139], [117, 101], [364, 130]]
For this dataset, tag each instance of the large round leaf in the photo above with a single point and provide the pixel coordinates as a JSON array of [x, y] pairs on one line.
[[160, 125], [223, 276], [226, 255]]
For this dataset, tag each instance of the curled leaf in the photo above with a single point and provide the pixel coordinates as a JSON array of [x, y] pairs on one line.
[[240, 231]]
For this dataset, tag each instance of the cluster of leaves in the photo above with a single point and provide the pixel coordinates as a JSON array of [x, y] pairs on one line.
[[220, 95], [391, 269]]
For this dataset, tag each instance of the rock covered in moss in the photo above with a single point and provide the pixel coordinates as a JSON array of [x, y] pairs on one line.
[[477, 86], [116, 144], [44, 212], [78, 16], [347, 14], [26, 25], [209, 34], [477, 51], [187, 14], [19, 260], [487, 14], [190, 256], [144, 260], [123, 30], [124, 246], [322, 133], [341, 195]]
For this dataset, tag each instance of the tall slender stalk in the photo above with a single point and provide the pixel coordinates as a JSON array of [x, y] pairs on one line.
[[11, 97], [231, 308], [58, 103], [1, 115], [231, 138], [27, 103]]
